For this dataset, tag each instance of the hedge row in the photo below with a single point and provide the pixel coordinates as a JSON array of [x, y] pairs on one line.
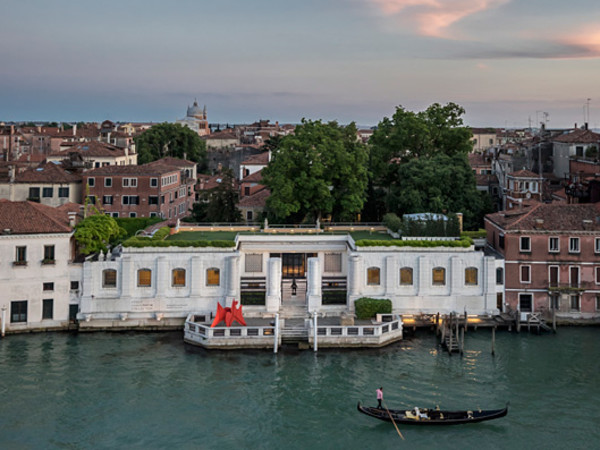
[[145, 242], [134, 224], [367, 307], [474, 234], [463, 242]]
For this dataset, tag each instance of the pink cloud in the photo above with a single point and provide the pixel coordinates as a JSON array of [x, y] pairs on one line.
[[433, 17], [585, 42]]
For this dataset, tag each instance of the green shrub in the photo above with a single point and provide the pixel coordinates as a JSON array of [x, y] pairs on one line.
[[474, 234], [367, 308], [464, 242], [140, 242], [392, 222], [134, 224], [253, 298]]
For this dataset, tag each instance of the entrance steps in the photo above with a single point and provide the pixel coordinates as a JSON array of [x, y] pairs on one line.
[[294, 330]]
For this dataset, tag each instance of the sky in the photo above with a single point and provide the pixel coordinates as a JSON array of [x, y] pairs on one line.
[[506, 62]]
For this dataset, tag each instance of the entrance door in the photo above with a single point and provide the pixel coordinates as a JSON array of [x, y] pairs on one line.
[[73, 310], [293, 265]]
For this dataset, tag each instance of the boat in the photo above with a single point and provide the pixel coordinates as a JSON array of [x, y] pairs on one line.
[[418, 416]]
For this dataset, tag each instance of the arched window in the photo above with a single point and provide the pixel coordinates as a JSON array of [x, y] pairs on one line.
[[406, 276], [109, 278], [373, 278], [471, 276], [438, 276], [144, 278], [178, 278], [213, 277]]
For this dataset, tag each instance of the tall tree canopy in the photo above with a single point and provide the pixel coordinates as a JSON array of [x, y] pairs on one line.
[[408, 135], [95, 233], [438, 184], [220, 203], [168, 139], [321, 169]]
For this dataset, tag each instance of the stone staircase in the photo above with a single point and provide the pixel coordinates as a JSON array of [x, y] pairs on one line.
[[293, 331]]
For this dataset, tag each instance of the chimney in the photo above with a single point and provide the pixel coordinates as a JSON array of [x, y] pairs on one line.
[[539, 224], [75, 130], [587, 224], [585, 126], [72, 216], [11, 174]]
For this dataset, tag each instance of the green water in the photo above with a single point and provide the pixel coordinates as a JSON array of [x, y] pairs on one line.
[[149, 390]]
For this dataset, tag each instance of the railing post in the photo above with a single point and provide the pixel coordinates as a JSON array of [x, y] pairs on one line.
[[276, 333], [315, 331]]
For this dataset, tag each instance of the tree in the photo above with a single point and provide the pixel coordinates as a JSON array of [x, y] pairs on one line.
[[95, 233], [438, 184], [320, 169], [408, 135], [219, 204], [167, 139]]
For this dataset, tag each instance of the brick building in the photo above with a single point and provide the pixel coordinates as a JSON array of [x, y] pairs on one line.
[[552, 258], [163, 188]]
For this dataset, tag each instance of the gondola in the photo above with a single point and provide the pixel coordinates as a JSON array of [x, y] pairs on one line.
[[417, 416]]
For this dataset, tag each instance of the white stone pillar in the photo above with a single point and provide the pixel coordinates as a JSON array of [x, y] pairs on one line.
[[273, 298], [162, 277], [233, 279], [128, 277], [355, 276], [424, 275], [195, 277], [392, 273], [314, 294], [488, 280]]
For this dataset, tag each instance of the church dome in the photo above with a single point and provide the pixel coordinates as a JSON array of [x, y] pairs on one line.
[[195, 111]]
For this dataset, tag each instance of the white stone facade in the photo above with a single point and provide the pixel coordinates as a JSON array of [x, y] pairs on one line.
[[156, 297], [29, 281]]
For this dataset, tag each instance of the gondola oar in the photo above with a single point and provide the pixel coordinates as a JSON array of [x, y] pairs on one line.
[[389, 414]]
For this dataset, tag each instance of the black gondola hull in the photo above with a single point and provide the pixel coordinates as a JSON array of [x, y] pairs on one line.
[[434, 417]]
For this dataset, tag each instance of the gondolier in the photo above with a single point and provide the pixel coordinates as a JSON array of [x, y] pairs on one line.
[[379, 397]]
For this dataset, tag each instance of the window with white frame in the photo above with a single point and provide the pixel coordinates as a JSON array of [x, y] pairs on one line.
[[91, 181], [597, 270], [553, 276], [525, 244], [575, 302], [553, 244], [554, 301], [574, 245], [526, 302], [597, 302], [253, 262], [108, 182], [153, 182], [129, 182], [333, 262], [574, 276], [525, 274], [597, 245]]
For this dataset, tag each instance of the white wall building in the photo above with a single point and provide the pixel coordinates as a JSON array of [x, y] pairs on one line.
[[40, 285], [152, 287]]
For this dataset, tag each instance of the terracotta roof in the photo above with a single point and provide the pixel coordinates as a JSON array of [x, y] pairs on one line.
[[261, 159], [485, 179], [143, 170], [549, 217], [255, 177], [478, 159], [175, 162], [224, 134], [483, 130], [258, 199], [207, 182], [32, 218], [47, 173], [32, 157], [579, 136], [92, 148], [523, 174]]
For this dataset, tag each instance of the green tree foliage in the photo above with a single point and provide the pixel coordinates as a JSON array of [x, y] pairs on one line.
[[168, 139], [439, 184], [219, 204], [95, 233], [321, 169], [408, 135]]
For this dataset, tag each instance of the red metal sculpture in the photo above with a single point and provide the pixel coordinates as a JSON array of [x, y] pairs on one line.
[[228, 314]]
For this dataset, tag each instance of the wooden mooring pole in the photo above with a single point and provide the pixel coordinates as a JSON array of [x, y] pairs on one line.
[[494, 341], [462, 340]]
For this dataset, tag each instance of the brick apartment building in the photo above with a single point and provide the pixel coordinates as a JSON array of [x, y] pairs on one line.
[[552, 258], [163, 188]]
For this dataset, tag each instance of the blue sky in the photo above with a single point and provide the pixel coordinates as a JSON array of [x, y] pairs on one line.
[[504, 61]]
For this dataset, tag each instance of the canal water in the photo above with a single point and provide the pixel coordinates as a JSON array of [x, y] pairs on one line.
[[149, 390]]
